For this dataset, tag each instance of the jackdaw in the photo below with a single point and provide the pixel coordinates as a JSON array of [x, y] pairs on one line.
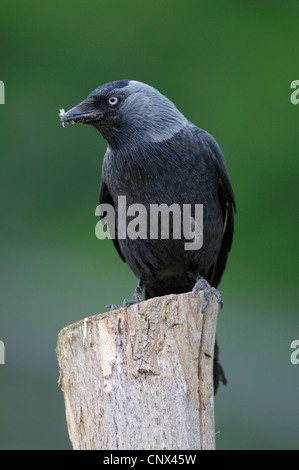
[[156, 156]]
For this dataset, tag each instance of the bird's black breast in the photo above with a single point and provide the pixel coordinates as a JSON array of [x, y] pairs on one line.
[[177, 171]]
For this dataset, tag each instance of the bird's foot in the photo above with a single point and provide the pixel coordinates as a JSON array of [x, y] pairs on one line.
[[136, 298], [127, 302], [202, 284], [113, 306]]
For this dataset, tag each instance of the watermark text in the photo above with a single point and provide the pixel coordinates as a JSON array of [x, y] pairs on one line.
[[295, 354], [295, 94], [2, 93], [159, 221], [2, 353]]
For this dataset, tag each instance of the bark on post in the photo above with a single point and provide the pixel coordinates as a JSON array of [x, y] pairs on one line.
[[141, 377]]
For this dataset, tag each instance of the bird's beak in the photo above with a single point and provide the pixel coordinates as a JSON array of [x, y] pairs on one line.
[[79, 113]]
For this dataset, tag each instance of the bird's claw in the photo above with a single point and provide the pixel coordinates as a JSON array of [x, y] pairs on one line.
[[202, 284], [134, 300], [127, 302], [113, 306]]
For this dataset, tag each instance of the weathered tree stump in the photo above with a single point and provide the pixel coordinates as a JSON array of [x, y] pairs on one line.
[[141, 377]]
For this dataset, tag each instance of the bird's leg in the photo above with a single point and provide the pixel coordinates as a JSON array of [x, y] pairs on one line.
[[137, 296], [202, 284]]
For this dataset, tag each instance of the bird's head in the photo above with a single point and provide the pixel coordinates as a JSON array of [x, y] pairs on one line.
[[125, 111]]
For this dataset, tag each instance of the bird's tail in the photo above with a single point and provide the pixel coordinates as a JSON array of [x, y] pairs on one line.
[[218, 372]]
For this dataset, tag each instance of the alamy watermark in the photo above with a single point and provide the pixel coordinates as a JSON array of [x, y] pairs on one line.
[[2, 92], [295, 354], [160, 221], [295, 94], [2, 353]]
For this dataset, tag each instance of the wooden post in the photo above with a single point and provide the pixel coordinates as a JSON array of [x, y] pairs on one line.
[[141, 377]]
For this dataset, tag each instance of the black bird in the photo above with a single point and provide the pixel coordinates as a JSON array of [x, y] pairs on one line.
[[154, 156]]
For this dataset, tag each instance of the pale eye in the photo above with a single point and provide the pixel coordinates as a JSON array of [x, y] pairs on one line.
[[113, 100]]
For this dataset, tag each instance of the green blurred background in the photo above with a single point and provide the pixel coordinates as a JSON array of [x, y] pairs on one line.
[[228, 67]]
